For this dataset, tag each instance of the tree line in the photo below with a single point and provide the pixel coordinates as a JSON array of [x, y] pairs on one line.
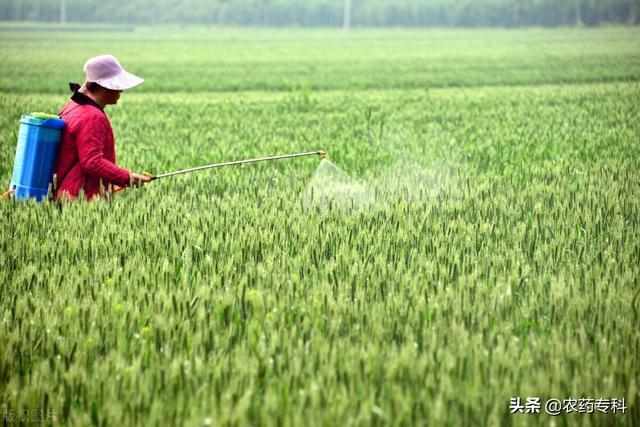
[[328, 13]]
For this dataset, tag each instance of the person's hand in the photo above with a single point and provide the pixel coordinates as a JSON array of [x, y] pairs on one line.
[[138, 180], [6, 194]]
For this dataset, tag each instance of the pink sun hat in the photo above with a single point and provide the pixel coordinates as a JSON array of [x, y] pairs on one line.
[[107, 72]]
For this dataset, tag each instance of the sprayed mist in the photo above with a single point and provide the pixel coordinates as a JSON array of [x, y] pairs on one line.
[[330, 187], [411, 181], [408, 177]]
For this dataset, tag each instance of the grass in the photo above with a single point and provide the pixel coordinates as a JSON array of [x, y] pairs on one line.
[[500, 257], [204, 59]]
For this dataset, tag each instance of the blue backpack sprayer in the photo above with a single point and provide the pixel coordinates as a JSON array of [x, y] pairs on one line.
[[39, 138], [36, 153]]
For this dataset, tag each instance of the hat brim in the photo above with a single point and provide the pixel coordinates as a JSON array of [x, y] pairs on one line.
[[122, 81]]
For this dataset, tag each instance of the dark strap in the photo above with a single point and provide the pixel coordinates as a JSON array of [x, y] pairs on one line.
[[74, 87], [82, 99]]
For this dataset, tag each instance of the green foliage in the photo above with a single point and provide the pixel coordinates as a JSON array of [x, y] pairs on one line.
[[204, 59], [463, 13], [500, 256]]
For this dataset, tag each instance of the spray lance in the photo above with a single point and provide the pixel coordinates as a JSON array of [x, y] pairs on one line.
[[320, 153], [38, 139]]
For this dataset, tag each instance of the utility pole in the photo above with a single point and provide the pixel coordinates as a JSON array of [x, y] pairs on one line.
[[346, 15], [63, 11], [578, 13]]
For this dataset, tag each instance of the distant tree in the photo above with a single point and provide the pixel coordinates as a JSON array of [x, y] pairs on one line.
[[634, 12]]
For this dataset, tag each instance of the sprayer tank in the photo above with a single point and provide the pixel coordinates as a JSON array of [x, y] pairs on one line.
[[36, 153]]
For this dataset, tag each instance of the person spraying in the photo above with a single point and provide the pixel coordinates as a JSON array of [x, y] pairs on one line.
[[86, 156], [75, 151]]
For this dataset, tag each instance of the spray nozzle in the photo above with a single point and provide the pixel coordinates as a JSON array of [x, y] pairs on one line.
[[322, 154]]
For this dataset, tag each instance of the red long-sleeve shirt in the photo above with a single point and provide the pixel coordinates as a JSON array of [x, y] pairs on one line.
[[86, 156]]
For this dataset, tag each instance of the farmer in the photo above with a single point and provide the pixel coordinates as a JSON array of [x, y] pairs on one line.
[[87, 157]]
